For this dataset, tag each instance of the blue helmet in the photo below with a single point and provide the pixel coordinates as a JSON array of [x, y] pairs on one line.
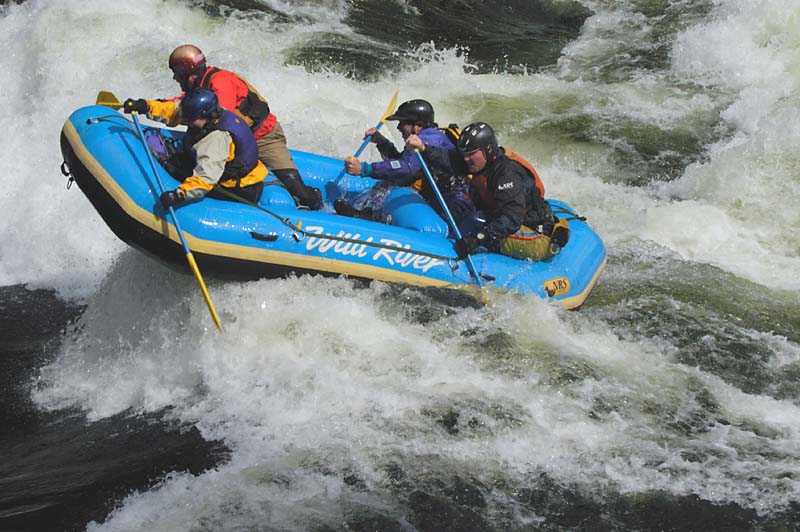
[[199, 103]]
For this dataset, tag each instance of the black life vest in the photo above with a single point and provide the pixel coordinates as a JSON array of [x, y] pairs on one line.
[[537, 181], [538, 210], [453, 133]]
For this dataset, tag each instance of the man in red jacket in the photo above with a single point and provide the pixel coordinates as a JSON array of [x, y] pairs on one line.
[[188, 65]]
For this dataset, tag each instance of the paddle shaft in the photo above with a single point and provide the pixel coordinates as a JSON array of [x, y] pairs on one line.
[[368, 138], [360, 148], [470, 265], [189, 256]]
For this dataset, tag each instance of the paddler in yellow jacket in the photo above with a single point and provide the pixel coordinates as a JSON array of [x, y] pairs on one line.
[[189, 68]]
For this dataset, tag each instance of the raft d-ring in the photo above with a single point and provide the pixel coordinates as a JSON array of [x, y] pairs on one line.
[[297, 233], [454, 264], [65, 170]]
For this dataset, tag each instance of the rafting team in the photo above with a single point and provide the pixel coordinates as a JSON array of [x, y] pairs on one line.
[[495, 196]]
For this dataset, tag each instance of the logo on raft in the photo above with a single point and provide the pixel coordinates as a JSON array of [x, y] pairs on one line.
[[557, 286], [393, 257]]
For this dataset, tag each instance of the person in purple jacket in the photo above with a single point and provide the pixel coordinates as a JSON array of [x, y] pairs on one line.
[[402, 168]]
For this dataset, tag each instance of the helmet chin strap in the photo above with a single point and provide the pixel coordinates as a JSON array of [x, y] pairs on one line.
[[204, 129], [186, 83]]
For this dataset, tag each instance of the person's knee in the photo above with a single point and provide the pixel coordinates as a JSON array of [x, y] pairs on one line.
[[288, 173], [310, 197]]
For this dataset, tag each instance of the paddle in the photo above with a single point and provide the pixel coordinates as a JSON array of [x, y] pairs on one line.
[[389, 110], [470, 265], [189, 256], [110, 100]]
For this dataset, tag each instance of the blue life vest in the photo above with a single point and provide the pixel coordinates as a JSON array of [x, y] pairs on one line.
[[245, 148]]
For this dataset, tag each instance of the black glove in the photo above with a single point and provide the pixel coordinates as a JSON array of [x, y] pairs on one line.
[[140, 106], [468, 244], [170, 198]]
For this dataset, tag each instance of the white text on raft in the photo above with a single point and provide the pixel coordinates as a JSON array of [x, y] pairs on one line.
[[394, 257]]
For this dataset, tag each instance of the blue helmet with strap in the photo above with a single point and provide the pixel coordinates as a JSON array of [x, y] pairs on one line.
[[199, 103]]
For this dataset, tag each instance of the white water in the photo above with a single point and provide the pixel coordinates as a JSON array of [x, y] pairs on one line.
[[314, 371], [59, 54]]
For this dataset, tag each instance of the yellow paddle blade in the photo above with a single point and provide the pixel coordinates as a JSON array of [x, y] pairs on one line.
[[204, 290], [108, 99], [392, 104]]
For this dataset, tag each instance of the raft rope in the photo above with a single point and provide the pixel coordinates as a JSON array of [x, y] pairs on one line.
[[296, 230], [573, 215]]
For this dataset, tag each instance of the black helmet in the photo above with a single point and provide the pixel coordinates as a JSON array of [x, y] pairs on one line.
[[199, 103], [478, 136], [417, 111]]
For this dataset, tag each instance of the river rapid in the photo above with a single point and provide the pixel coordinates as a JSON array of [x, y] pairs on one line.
[[670, 401]]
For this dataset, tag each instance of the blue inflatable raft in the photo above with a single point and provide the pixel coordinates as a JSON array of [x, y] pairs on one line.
[[105, 156]]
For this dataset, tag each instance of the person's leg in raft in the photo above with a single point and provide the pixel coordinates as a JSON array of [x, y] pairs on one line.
[[273, 152]]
